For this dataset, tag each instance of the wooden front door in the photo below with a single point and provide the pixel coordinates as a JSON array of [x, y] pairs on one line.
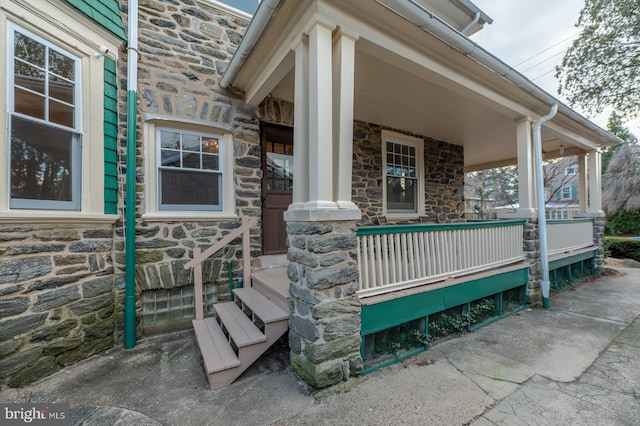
[[277, 185]]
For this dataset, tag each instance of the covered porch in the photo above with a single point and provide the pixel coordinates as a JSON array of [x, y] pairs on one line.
[[413, 80]]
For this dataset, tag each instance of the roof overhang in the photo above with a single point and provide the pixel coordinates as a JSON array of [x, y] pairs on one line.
[[432, 82]]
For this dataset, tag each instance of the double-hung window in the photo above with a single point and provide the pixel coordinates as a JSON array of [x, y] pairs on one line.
[[45, 124], [190, 167], [403, 180]]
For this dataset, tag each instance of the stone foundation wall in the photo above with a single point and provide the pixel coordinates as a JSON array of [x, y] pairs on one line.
[[57, 301], [444, 176], [185, 46], [599, 223], [324, 324], [531, 241]]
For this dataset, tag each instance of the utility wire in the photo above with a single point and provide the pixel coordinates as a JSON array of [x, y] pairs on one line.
[[545, 60], [542, 75], [547, 49]]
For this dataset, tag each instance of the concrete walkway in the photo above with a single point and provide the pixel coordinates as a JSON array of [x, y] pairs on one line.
[[577, 363]]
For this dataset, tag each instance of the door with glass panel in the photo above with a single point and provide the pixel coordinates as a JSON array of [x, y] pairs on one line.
[[277, 185]]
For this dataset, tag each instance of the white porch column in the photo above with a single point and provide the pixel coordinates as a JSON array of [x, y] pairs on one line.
[[343, 93], [582, 183], [301, 127], [320, 118], [526, 170], [595, 183]]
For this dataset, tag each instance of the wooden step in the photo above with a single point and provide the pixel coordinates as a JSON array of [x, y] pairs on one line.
[[241, 329], [261, 307], [216, 351], [273, 284]]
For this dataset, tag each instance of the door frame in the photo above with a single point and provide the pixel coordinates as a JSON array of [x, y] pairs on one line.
[[279, 132]]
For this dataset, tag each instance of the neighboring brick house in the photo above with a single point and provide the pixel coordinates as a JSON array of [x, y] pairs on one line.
[[388, 119]]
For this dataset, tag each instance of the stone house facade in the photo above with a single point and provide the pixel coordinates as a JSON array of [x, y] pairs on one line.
[[62, 280]]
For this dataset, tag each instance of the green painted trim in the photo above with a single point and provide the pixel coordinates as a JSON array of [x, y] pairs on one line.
[[106, 13], [394, 360], [397, 311], [430, 227], [560, 221], [571, 260]]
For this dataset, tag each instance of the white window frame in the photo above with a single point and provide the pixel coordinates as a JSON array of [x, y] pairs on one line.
[[418, 144], [153, 210], [562, 192], [73, 32], [221, 170], [76, 131]]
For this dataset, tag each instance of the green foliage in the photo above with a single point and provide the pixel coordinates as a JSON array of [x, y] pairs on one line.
[[623, 223], [393, 342], [600, 69], [622, 248], [621, 182], [616, 126], [456, 320]]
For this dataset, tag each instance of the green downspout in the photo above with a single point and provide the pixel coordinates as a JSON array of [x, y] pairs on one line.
[[130, 188], [230, 272]]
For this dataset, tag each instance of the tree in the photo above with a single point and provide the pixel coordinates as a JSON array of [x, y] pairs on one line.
[[602, 66], [493, 187], [557, 175], [621, 182], [616, 127]]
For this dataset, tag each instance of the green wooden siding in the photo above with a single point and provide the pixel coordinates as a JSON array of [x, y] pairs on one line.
[[555, 264], [103, 12], [404, 309], [110, 137]]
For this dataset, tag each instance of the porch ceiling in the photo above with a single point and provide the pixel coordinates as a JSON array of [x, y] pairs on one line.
[[407, 79]]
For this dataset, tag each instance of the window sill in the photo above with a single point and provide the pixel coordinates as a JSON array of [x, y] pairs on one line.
[[187, 216], [401, 216], [55, 217]]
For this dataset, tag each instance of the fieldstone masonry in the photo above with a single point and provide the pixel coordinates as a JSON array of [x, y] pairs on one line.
[[185, 46], [324, 324], [444, 176], [531, 241], [599, 222], [57, 298]]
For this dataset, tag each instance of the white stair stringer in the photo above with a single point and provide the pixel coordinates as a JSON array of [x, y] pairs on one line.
[[241, 332]]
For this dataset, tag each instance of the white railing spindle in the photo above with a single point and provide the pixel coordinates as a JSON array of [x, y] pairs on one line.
[[411, 255]]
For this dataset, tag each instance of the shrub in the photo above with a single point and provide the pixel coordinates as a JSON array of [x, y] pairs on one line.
[[622, 248], [623, 223]]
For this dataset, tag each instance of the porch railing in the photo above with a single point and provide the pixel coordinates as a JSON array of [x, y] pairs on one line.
[[395, 257], [199, 257], [568, 235]]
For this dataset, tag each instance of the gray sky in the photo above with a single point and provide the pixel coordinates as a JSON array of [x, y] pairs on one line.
[[524, 28], [532, 36]]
